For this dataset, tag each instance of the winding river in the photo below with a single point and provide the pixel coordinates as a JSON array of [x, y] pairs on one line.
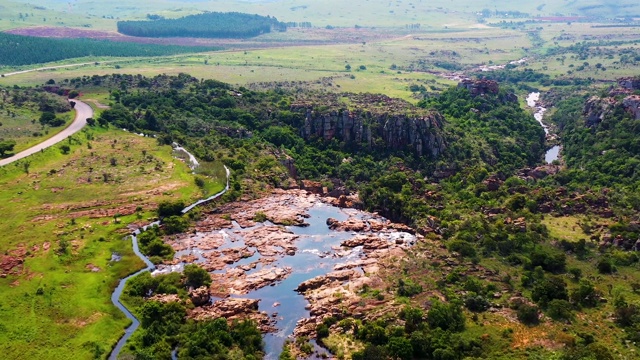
[[533, 101], [117, 293]]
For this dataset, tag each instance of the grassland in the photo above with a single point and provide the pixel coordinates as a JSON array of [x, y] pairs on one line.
[[22, 126], [313, 63], [437, 13], [65, 222]]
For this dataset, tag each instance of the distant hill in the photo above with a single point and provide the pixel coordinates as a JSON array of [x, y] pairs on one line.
[[207, 25]]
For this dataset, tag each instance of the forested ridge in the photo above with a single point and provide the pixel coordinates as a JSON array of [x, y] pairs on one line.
[[25, 50], [207, 25], [499, 138], [602, 153]]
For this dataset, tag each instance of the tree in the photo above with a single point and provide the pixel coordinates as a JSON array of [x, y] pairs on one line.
[[347, 67], [400, 348], [412, 318], [370, 352], [6, 146], [47, 117], [168, 208], [196, 276], [545, 290], [560, 310], [65, 148], [174, 224], [585, 295], [528, 314], [446, 316]]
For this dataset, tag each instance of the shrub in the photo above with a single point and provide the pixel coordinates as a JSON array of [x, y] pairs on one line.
[[322, 331], [260, 217], [528, 314], [168, 208], [408, 288], [196, 276], [549, 289], [476, 303], [605, 266], [560, 310]]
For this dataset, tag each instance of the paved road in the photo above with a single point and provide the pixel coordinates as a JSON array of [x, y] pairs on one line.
[[83, 111]]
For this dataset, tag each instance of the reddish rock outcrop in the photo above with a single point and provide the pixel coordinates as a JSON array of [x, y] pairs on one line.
[[479, 87], [200, 296], [234, 309]]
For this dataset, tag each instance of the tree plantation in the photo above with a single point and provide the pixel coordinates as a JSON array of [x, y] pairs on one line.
[[207, 25]]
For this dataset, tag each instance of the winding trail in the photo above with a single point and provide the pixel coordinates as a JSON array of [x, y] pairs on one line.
[[117, 293], [83, 112]]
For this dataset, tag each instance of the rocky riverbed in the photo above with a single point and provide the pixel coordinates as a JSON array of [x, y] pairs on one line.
[[287, 261]]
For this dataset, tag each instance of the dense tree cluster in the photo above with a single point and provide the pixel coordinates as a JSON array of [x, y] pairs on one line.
[[603, 154], [207, 25], [26, 50], [165, 325]]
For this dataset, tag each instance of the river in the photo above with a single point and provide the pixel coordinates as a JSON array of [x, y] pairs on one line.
[[318, 252], [533, 101], [117, 293]]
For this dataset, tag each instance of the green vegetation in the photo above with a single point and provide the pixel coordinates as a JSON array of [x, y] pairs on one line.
[[514, 263], [29, 116], [207, 25], [26, 50], [164, 324], [55, 301]]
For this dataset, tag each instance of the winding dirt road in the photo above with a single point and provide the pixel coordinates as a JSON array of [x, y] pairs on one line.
[[46, 68], [83, 111]]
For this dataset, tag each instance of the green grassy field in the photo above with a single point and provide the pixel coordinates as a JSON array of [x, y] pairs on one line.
[[62, 218], [23, 126], [397, 13]]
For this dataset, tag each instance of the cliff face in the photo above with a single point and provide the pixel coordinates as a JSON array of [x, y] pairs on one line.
[[421, 133], [596, 109], [632, 105], [629, 83]]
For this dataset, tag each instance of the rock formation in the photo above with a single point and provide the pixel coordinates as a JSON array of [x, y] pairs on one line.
[[629, 83], [479, 87], [375, 121], [632, 105], [596, 109]]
